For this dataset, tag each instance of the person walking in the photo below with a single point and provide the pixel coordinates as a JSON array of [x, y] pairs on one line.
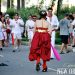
[[41, 42], [53, 20], [64, 33]]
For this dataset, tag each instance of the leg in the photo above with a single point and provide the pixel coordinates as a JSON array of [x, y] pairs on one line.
[[1, 45], [38, 64], [19, 43], [62, 48], [44, 66]]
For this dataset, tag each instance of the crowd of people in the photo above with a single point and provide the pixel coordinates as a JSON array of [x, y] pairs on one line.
[[10, 29], [41, 34]]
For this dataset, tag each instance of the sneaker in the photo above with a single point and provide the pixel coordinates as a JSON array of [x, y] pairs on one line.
[[62, 52], [68, 51]]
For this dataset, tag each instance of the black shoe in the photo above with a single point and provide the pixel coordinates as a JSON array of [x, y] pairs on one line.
[[44, 70], [1, 49], [38, 67], [14, 51], [62, 52], [51, 58], [3, 64], [73, 46], [68, 51]]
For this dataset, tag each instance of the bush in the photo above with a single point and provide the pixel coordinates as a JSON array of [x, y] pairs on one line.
[[57, 38], [11, 12], [25, 12], [65, 10]]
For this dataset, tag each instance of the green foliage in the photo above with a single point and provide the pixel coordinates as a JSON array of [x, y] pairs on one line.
[[66, 10], [72, 9], [57, 38], [11, 12], [25, 12]]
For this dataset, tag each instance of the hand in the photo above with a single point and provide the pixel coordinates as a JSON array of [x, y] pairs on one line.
[[50, 32]]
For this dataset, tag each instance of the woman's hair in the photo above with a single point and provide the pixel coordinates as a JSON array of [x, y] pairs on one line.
[[71, 17], [43, 14]]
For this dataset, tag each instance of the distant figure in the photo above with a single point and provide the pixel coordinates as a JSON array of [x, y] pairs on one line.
[[30, 27], [64, 33], [16, 31], [53, 20], [73, 26]]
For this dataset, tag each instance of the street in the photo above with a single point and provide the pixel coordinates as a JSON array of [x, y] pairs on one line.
[[19, 64]]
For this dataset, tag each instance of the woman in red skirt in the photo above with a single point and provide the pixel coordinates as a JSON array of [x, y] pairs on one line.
[[40, 45]]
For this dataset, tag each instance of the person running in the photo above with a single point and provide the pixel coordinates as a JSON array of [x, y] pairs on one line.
[[16, 31], [40, 45], [8, 21], [3, 24], [1, 34]]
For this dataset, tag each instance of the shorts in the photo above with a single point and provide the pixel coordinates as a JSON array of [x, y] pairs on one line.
[[17, 35], [64, 39], [30, 35], [1, 36], [5, 35]]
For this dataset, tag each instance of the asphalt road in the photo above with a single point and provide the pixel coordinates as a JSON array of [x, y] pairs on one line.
[[18, 63]]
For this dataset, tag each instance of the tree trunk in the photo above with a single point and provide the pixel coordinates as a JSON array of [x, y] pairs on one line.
[[18, 4], [12, 5], [0, 5], [59, 7], [23, 3], [8, 4]]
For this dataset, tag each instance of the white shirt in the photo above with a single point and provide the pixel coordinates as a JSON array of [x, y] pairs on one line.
[[16, 26], [3, 29], [30, 25], [73, 23], [53, 20], [0, 27]]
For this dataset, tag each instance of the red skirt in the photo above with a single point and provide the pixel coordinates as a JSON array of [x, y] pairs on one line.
[[40, 46]]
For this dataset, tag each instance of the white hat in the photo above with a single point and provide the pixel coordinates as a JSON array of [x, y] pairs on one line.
[[7, 15]]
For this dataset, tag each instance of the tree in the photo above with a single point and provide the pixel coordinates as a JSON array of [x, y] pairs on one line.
[[23, 3], [18, 4], [8, 4], [52, 3], [41, 4], [0, 5], [59, 3], [12, 5]]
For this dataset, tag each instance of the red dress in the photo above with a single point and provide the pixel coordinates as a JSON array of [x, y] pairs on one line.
[[40, 46]]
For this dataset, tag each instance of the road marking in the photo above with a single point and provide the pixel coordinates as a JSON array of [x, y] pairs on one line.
[[52, 69]]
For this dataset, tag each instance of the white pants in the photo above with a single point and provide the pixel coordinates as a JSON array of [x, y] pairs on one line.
[[30, 35], [1, 36], [53, 43]]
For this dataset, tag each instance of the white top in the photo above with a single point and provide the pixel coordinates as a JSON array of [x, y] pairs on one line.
[[30, 25], [53, 21], [16, 25], [0, 26], [3, 28], [8, 26], [73, 23]]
